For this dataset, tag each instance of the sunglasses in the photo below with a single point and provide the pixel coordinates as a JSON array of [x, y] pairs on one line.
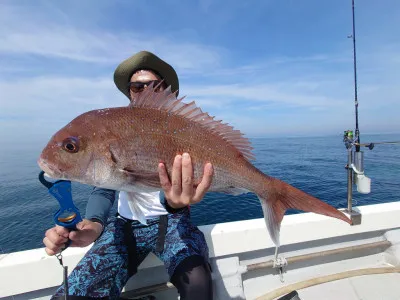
[[139, 86]]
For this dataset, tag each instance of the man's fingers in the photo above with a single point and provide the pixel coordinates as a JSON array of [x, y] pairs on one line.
[[51, 248], [205, 183], [75, 236], [164, 179], [84, 224], [179, 191], [62, 231], [187, 175], [176, 178], [53, 236], [49, 244], [54, 239], [50, 252], [76, 241], [87, 232], [78, 237], [80, 226]]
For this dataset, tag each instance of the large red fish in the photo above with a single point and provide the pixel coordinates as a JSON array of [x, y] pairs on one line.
[[120, 148]]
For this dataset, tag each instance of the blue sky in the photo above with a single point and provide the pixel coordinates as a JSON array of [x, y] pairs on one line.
[[262, 66]]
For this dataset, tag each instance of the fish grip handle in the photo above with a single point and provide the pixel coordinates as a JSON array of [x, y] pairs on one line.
[[68, 214]]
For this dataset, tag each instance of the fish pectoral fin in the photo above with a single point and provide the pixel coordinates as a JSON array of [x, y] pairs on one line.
[[119, 155], [151, 179], [235, 191], [115, 152], [122, 154]]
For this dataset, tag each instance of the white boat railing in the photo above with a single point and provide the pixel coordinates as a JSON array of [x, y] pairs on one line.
[[34, 274]]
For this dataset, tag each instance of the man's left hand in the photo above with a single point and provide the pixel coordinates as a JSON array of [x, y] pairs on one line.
[[180, 191]]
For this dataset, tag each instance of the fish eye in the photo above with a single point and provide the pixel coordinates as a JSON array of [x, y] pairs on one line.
[[71, 145]]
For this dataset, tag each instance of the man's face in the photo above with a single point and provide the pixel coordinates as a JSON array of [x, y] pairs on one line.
[[141, 79]]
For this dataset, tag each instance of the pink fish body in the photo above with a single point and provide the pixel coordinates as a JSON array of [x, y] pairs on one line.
[[120, 148]]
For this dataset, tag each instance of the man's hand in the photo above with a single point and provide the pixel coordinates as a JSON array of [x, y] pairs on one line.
[[87, 232], [180, 191], [55, 239]]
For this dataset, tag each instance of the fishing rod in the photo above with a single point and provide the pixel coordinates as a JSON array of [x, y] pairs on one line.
[[355, 77], [355, 163], [351, 141]]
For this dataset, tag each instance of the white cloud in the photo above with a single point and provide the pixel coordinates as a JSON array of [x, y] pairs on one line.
[[107, 48], [48, 38], [52, 97], [280, 92]]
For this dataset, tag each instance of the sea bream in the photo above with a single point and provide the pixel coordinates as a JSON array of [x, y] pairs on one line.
[[120, 148]]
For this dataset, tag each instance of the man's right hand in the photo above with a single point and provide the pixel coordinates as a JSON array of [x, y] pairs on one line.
[[87, 232]]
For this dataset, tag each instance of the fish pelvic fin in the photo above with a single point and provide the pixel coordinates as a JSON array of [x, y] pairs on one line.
[[281, 196]]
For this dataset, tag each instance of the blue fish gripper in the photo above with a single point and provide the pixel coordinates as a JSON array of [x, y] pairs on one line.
[[68, 215]]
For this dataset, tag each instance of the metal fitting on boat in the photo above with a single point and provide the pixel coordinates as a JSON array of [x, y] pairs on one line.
[[363, 182]]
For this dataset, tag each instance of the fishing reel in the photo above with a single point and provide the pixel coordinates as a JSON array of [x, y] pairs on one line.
[[348, 139]]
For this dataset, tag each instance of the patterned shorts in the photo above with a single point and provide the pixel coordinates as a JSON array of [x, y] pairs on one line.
[[103, 271]]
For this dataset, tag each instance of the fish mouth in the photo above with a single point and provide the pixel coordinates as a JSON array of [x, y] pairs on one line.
[[49, 169]]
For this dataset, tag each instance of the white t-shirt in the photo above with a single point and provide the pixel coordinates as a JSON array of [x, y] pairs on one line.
[[140, 205]]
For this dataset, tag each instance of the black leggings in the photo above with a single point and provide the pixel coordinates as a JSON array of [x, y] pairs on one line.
[[193, 280]]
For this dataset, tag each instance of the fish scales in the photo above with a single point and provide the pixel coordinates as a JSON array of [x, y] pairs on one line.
[[120, 148], [149, 136]]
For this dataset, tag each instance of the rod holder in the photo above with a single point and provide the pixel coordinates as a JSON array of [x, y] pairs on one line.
[[353, 215]]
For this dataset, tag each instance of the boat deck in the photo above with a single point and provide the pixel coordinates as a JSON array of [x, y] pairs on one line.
[[365, 287], [384, 286]]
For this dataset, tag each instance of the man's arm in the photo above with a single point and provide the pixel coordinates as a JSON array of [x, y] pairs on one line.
[[99, 205]]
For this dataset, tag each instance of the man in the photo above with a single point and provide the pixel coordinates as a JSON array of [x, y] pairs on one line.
[[123, 242]]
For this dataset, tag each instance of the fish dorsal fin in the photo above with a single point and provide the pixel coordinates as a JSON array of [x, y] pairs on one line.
[[167, 101]]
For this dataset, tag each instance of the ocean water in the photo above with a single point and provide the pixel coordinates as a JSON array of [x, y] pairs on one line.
[[315, 165]]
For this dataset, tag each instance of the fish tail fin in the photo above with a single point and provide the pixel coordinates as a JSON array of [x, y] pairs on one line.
[[280, 196]]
